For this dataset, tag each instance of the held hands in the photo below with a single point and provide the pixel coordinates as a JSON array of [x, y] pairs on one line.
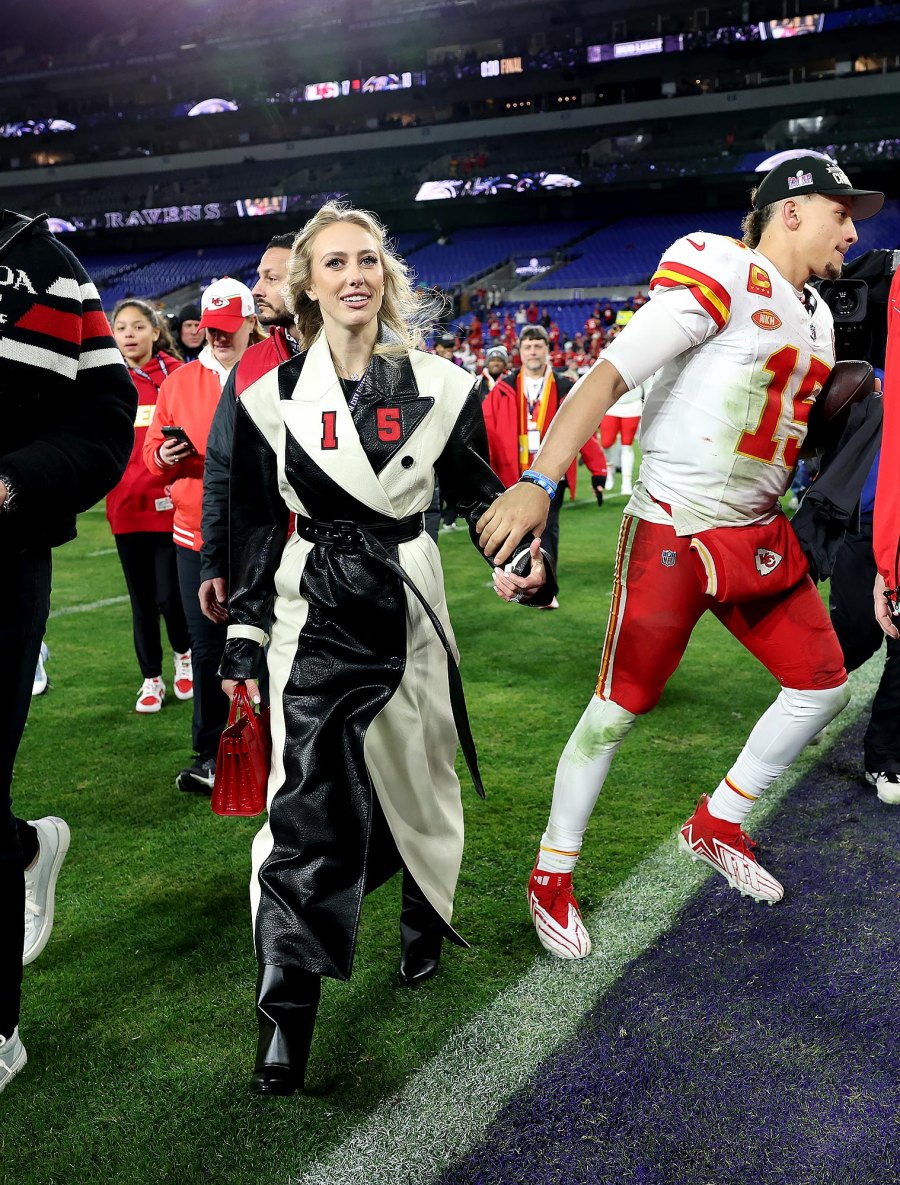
[[518, 510], [883, 614], [228, 686], [517, 588]]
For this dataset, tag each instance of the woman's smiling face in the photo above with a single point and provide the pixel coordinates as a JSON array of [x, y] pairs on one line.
[[347, 275]]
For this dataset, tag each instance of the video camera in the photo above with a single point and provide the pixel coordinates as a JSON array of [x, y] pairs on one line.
[[858, 302]]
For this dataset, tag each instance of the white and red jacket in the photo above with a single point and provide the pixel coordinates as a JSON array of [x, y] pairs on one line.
[[188, 398], [140, 502]]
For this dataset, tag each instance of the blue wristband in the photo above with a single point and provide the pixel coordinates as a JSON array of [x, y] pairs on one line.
[[539, 479]]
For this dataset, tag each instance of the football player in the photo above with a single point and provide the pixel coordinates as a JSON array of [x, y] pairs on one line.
[[738, 347]]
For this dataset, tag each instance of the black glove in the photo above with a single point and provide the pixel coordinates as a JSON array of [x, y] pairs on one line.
[[599, 484]]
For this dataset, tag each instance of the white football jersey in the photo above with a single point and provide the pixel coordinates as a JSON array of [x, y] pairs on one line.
[[723, 423]]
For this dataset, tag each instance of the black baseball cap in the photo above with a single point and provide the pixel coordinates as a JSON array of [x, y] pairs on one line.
[[815, 174], [447, 340]]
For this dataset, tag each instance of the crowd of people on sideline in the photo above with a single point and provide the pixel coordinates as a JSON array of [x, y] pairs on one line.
[[491, 324], [269, 465]]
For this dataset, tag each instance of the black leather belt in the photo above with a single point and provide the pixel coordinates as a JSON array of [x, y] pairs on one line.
[[346, 532], [349, 536]]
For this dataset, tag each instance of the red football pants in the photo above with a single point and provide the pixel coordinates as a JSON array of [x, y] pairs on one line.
[[658, 599], [613, 426]]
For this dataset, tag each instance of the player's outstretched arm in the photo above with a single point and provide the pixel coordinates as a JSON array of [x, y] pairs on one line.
[[523, 507]]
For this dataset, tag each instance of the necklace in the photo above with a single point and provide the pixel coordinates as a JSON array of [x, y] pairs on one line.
[[342, 369]]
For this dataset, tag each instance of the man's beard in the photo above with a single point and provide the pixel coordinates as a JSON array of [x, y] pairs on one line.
[[832, 272], [271, 318]]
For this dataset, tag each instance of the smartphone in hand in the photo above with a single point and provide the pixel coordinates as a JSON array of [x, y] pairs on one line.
[[173, 432]]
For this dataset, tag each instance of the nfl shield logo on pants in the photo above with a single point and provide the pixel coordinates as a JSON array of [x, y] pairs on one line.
[[668, 559]]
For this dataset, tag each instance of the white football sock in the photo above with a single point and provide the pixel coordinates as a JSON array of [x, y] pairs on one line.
[[780, 735], [580, 775], [627, 465]]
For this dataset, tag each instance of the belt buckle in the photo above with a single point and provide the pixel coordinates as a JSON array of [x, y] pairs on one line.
[[346, 533]]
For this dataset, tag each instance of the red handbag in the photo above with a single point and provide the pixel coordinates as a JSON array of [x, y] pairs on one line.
[[242, 766]]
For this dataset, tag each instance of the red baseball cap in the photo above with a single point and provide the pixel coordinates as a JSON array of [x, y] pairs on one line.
[[225, 304]]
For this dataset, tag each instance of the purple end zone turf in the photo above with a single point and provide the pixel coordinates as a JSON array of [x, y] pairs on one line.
[[752, 1045]]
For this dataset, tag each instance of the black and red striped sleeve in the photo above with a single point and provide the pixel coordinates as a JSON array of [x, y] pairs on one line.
[[70, 403]]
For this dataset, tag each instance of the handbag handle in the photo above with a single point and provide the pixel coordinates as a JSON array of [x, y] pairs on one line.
[[240, 703]]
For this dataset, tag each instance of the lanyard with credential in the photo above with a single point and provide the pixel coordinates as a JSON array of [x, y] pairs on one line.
[[542, 404]]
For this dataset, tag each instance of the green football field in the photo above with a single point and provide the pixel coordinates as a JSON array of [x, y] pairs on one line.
[[138, 1018]]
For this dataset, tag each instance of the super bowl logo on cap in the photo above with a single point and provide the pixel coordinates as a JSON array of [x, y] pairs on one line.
[[799, 180]]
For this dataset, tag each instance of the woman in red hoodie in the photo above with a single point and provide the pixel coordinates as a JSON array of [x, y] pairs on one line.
[[140, 513]]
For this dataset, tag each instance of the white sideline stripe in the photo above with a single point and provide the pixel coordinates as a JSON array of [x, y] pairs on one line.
[[445, 1109], [103, 551], [88, 608]]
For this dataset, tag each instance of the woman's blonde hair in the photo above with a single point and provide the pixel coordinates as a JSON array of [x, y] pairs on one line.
[[257, 333], [405, 315]]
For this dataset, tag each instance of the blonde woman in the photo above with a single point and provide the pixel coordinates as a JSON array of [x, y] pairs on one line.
[[348, 437]]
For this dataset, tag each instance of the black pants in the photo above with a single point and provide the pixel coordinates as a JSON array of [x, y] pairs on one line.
[[24, 607], [860, 637], [207, 644], [151, 574]]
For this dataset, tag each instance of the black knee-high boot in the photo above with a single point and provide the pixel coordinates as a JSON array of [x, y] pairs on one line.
[[286, 1004], [421, 934]]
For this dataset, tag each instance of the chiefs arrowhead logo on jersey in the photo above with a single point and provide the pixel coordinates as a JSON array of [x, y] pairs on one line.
[[758, 281], [766, 561], [766, 319]]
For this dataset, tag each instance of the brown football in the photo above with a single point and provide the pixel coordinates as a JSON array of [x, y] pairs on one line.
[[849, 383]]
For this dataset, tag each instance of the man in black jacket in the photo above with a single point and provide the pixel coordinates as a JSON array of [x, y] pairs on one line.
[[68, 427]]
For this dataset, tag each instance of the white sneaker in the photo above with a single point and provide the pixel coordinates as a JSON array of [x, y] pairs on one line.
[[627, 490], [12, 1058], [610, 483], [150, 697], [40, 884], [887, 786], [183, 682], [40, 675]]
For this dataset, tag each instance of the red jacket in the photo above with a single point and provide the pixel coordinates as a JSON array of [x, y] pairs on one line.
[[139, 502], [502, 419], [188, 398], [262, 357]]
